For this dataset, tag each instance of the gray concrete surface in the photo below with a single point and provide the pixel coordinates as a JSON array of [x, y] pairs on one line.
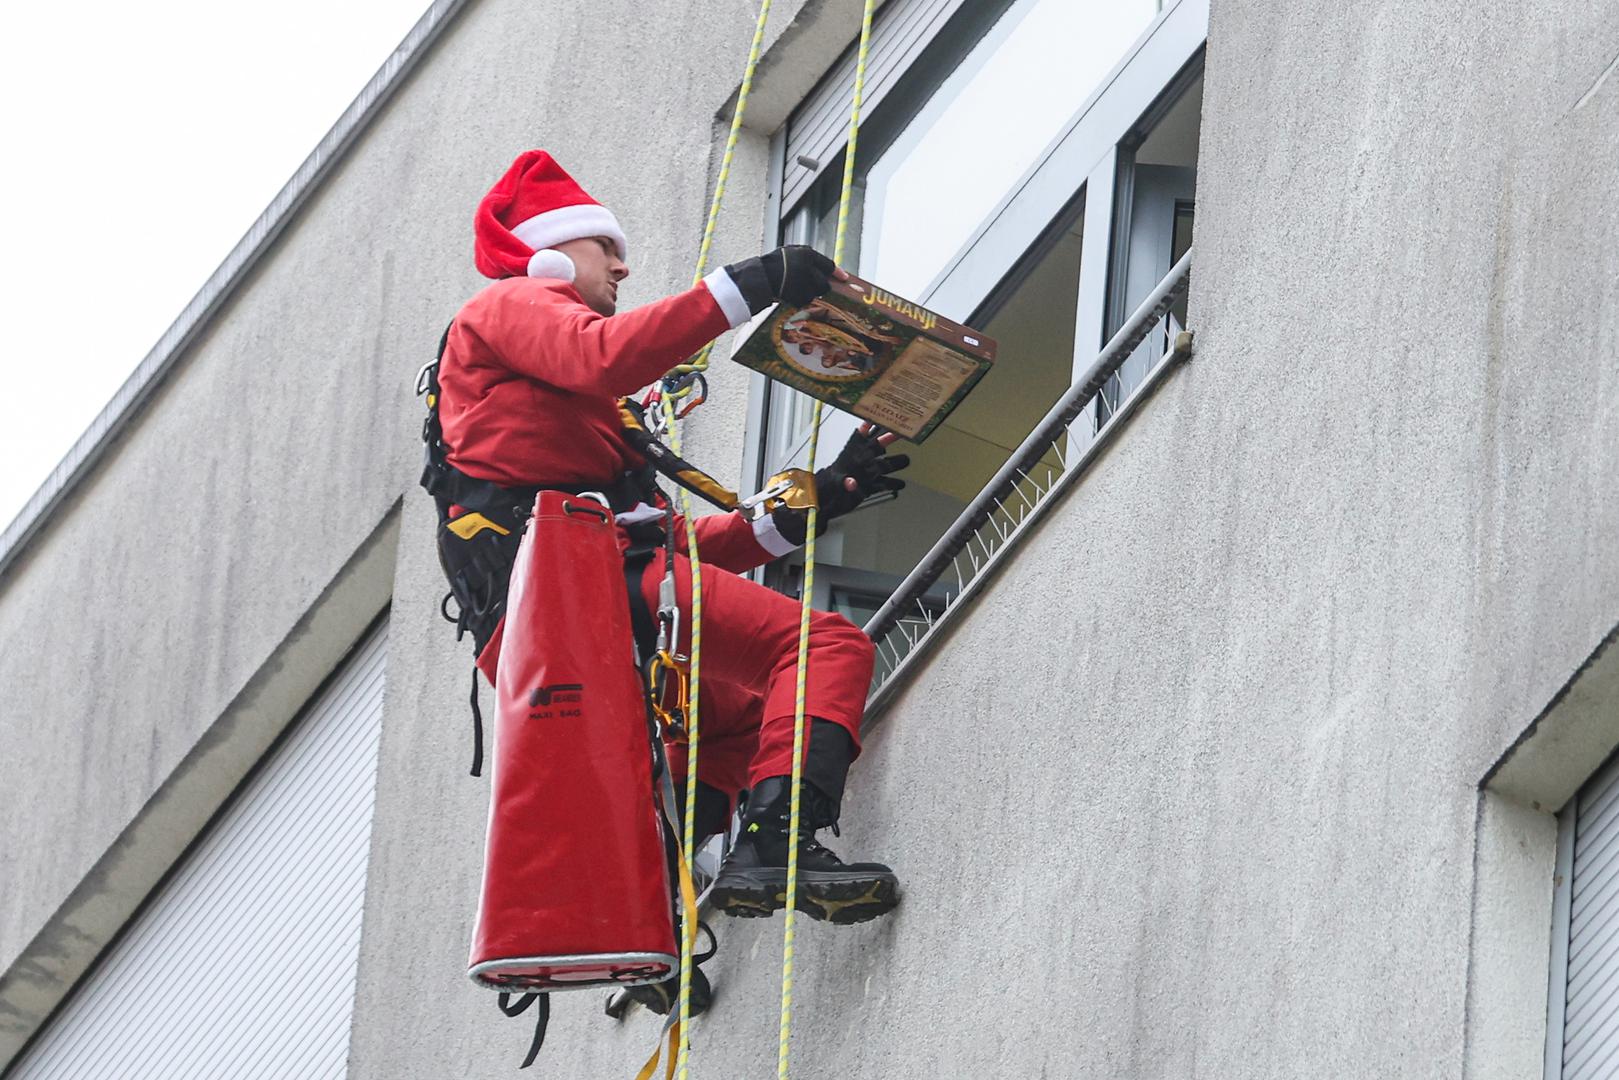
[[1551, 760], [1514, 861], [1317, 590]]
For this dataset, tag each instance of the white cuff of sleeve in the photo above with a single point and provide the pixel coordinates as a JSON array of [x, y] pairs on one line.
[[770, 538], [729, 297]]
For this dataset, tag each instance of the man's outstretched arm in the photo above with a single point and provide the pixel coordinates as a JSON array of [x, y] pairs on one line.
[[542, 329]]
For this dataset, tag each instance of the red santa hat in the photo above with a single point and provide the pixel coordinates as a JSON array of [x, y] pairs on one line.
[[530, 210]]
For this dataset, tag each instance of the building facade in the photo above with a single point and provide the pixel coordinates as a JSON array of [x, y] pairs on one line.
[[1245, 702]]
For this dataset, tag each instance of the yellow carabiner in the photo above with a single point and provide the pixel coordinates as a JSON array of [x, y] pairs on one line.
[[665, 673]]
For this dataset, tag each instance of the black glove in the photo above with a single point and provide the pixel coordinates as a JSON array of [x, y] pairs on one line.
[[796, 274], [866, 461]]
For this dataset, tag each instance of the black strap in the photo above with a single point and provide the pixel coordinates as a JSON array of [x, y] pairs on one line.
[[665, 461], [452, 487], [713, 945], [540, 1024], [642, 625], [477, 727], [447, 484]]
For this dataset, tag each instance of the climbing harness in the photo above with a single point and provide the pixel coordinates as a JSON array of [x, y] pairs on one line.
[[487, 530], [478, 545]]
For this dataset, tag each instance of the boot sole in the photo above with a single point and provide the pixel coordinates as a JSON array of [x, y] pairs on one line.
[[841, 902]]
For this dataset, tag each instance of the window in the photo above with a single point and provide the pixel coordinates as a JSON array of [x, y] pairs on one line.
[[939, 154], [1033, 321], [1157, 183], [244, 961], [1031, 172], [1583, 1032]]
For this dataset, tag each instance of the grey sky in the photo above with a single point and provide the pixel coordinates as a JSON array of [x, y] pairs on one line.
[[141, 142]]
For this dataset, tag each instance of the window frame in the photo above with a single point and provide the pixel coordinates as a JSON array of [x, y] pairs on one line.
[[1604, 777], [1082, 161], [1562, 911]]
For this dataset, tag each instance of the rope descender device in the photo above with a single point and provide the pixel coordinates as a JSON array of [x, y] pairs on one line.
[[794, 488], [669, 686]]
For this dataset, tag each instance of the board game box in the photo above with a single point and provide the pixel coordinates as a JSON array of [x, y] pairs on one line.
[[870, 353]]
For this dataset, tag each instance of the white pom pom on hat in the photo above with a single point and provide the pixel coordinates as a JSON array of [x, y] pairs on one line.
[[551, 263]]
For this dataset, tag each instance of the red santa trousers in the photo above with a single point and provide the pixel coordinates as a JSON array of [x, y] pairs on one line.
[[749, 674]]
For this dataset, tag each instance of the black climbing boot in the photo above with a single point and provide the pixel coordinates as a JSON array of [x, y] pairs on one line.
[[753, 881], [661, 997]]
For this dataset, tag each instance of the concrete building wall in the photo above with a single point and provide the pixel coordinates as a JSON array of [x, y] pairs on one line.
[[1316, 590]]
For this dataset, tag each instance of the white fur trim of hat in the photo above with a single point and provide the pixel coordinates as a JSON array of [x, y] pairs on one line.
[[571, 223]]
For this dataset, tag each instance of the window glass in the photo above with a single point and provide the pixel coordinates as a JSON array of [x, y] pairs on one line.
[[942, 155], [1033, 323], [936, 158], [986, 126]]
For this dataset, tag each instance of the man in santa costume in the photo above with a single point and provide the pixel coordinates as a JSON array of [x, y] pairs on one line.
[[531, 372]]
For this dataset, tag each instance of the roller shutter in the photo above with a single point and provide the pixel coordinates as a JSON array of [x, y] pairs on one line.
[[1591, 1005], [243, 964]]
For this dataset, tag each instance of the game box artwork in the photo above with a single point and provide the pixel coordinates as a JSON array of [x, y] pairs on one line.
[[869, 353]]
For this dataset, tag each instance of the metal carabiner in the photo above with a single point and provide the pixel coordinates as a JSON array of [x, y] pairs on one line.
[[664, 671], [656, 422], [668, 613], [696, 384], [678, 386]]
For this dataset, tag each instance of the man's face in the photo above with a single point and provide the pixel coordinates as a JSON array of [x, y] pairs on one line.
[[597, 271]]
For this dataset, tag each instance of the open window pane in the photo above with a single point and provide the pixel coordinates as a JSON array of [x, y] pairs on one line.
[[1157, 192], [864, 556], [944, 149]]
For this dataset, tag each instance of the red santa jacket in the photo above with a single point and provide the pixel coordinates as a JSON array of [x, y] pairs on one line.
[[529, 383]]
